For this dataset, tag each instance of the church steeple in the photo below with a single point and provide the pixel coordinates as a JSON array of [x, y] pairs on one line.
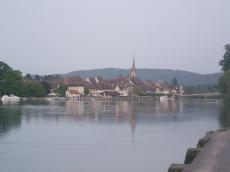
[[133, 73]]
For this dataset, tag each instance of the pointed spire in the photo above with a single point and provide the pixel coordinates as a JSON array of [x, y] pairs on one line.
[[133, 74], [133, 60]]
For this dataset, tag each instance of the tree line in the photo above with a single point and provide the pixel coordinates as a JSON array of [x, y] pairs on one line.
[[224, 86], [12, 82], [224, 81]]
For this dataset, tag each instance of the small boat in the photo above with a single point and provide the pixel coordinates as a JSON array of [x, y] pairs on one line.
[[162, 98], [10, 98]]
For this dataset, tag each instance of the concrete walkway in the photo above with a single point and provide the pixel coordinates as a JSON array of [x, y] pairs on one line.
[[215, 156]]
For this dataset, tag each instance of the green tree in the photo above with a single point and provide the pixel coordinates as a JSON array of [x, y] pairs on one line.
[[4, 68], [61, 89], [33, 89], [224, 82], [28, 76], [47, 86], [137, 90], [224, 117], [10, 80], [38, 78], [51, 77], [86, 91], [225, 62]]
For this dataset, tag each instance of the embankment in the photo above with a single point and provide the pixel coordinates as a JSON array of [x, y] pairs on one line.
[[212, 154]]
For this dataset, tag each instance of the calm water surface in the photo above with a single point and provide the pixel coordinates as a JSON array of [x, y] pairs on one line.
[[101, 136]]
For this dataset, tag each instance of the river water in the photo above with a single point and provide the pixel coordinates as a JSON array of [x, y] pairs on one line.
[[102, 136]]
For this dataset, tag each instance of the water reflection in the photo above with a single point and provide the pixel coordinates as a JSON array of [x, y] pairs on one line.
[[108, 111], [224, 117], [133, 119], [10, 118], [120, 111], [101, 135]]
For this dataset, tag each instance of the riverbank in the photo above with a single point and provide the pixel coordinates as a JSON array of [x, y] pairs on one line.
[[90, 98], [87, 98], [212, 154]]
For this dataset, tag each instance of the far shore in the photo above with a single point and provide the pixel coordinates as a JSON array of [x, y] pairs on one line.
[[89, 98]]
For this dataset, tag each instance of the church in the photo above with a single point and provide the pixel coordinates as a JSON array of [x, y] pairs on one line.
[[133, 73]]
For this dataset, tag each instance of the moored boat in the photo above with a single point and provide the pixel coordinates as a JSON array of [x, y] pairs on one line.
[[162, 98], [10, 98]]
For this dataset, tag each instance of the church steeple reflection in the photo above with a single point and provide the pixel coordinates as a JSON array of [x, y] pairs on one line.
[[133, 117]]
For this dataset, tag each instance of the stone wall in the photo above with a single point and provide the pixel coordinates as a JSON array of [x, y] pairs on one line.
[[191, 154]]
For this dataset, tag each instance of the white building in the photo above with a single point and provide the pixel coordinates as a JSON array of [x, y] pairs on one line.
[[79, 89], [123, 93], [72, 94]]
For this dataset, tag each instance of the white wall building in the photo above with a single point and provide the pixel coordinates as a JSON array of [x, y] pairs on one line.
[[79, 89], [72, 94]]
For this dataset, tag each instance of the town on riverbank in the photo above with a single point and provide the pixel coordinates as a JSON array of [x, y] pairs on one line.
[[15, 86]]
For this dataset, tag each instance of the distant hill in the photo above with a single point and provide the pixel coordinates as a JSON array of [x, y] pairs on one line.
[[184, 77]]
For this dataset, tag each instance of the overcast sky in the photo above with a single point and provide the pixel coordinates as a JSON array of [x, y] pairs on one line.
[[59, 36]]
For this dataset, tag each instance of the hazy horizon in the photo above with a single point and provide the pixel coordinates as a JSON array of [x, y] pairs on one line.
[[141, 69], [57, 36], [128, 68]]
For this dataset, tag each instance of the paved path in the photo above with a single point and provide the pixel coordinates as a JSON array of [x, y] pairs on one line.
[[215, 156]]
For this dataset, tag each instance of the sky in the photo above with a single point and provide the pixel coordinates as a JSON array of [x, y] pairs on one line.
[[60, 36]]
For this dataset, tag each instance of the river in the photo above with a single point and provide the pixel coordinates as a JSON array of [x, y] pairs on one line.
[[102, 136]]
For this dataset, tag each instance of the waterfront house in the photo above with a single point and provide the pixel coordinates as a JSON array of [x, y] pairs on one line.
[[125, 92], [72, 94], [161, 88], [80, 90]]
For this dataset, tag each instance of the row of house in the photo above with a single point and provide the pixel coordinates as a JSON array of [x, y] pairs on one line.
[[121, 86], [100, 88]]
